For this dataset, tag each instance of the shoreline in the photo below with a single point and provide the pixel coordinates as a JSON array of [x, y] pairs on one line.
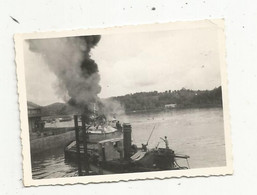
[[170, 109]]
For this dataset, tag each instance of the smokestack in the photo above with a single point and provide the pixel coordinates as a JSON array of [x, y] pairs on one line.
[[127, 140]]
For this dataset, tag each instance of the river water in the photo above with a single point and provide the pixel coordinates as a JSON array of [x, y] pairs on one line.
[[198, 133]]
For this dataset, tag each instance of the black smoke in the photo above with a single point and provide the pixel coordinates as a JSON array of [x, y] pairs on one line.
[[70, 60]]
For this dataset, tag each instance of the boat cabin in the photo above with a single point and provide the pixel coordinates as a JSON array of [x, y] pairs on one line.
[[110, 149]]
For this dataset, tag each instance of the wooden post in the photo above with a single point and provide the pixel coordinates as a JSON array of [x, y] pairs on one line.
[[86, 161], [77, 144]]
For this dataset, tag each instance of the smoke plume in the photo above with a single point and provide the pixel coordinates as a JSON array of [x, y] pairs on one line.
[[112, 108], [69, 59]]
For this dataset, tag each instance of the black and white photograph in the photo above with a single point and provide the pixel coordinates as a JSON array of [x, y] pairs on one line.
[[126, 103]]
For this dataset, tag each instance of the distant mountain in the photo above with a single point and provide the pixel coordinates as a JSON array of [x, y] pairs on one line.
[[32, 104], [57, 109], [53, 109]]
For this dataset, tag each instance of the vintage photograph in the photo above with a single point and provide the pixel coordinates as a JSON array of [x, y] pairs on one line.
[[124, 103]]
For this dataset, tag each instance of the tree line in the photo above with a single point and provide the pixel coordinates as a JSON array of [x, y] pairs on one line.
[[146, 101], [184, 98]]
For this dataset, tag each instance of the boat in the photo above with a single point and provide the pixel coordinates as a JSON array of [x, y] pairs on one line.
[[116, 153]]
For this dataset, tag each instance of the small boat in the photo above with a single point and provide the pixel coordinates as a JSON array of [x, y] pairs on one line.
[[107, 155]]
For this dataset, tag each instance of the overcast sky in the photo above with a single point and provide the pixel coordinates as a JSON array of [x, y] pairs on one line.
[[136, 62]]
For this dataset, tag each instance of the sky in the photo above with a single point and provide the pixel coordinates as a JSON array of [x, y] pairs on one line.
[[138, 62]]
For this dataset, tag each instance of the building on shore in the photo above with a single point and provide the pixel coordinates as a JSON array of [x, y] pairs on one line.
[[170, 106], [34, 116]]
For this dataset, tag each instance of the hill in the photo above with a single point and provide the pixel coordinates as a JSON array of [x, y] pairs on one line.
[[57, 109], [143, 101], [184, 98]]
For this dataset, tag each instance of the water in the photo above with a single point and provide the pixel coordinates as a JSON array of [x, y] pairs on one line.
[[198, 133]]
